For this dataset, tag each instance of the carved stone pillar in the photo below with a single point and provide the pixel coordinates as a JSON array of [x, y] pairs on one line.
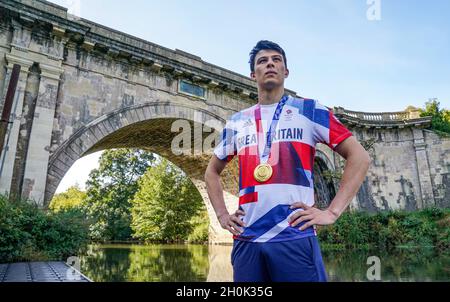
[[10, 145], [423, 169], [22, 34], [26, 121], [35, 175], [216, 233]]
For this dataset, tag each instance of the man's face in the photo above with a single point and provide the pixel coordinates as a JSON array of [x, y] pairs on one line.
[[270, 70]]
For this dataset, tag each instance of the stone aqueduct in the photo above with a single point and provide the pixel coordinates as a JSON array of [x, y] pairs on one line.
[[84, 87]]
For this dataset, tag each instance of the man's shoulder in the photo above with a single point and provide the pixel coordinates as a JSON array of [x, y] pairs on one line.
[[300, 102], [243, 114]]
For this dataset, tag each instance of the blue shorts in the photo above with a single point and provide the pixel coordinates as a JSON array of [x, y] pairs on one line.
[[298, 260]]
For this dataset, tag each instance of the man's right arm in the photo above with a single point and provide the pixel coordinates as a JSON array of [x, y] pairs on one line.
[[215, 193]]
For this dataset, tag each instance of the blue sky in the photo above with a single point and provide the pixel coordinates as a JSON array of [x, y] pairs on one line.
[[334, 53]]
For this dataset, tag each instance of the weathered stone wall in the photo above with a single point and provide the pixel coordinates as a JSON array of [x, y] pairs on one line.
[[393, 159], [403, 167], [438, 150], [5, 34], [399, 177], [93, 86]]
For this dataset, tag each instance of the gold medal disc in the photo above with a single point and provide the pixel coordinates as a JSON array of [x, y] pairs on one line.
[[262, 172]]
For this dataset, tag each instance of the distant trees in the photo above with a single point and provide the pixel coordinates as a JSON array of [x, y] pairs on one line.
[[110, 189], [134, 194], [440, 121], [164, 205], [70, 199]]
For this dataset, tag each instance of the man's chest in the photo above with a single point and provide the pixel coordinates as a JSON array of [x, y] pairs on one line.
[[290, 127]]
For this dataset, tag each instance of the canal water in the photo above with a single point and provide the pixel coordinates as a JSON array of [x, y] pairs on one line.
[[212, 263]]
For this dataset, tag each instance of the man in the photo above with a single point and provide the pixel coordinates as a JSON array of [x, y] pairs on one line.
[[274, 235]]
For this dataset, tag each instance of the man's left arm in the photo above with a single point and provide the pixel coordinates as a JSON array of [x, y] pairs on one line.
[[355, 170]]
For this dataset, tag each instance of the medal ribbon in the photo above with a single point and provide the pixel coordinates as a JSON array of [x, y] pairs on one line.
[[276, 116]]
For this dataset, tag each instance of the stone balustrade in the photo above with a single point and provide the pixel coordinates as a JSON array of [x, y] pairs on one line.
[[382, 119]]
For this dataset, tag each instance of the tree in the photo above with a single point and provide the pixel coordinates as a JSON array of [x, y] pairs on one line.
[[29, 233], [440, 117], [70, 199], [110, 189], [164, 205]]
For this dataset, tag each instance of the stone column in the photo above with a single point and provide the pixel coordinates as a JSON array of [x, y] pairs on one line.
[[217, 235], [423, 169], [29, 103], [35, 175], [8, 155]]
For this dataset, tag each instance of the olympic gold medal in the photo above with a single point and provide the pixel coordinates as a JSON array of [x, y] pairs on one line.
[[262, 172]]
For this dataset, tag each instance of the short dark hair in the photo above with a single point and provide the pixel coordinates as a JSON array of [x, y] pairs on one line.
[[265, 44]]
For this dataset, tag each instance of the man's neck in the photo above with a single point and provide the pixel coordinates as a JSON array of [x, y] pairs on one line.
[[269, 97]]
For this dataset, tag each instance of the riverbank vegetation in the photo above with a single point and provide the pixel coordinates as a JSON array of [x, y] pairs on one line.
[[27, 233], [135, 196], [429, 227]]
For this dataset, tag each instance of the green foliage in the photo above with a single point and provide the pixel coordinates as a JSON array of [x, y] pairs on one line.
[[164, 205], [28, 233], [71, 199], [330, 176], [168, 208], [200, 228], [109, 191], [428, 227], [440, 117]]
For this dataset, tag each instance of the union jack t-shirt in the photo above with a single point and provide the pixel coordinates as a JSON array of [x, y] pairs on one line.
[[302, 124]]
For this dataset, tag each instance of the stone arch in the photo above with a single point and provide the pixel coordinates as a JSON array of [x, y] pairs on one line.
[[124, 127], [324, 188]]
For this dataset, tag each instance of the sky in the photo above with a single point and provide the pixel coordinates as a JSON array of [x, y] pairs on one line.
[[363, 55]]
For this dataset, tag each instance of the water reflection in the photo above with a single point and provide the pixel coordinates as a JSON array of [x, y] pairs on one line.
[[220, 263], [399, 265], [146, 263], [212, 263]]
